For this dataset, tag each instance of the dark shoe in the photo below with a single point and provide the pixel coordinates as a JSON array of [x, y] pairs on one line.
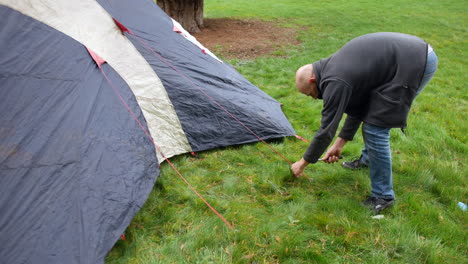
[[378, 204], [354, 165]]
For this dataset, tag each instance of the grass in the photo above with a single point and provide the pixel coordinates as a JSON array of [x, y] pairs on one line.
[[280, 219]]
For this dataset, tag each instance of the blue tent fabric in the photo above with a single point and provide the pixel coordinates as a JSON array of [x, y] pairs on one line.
[[74, 165], [206, 125]]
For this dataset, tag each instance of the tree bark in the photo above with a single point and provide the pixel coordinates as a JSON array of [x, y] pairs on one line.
[[189, 13]]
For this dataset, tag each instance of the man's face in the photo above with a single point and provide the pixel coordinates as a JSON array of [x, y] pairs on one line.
[[309, 89]]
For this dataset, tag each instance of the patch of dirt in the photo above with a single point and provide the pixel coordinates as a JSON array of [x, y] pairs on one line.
[[245, 39]]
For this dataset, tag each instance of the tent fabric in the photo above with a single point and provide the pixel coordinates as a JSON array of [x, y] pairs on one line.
[[179, 29], [75, 165], [205, 124], [88, 23]]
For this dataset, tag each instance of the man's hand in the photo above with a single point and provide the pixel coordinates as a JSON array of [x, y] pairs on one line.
[[298, 167], [334, 152], [332, 155]]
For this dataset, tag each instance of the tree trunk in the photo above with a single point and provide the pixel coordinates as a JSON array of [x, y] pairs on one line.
[[189, 13]]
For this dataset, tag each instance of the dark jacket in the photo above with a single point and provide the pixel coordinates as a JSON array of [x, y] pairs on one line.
[[374, 79]]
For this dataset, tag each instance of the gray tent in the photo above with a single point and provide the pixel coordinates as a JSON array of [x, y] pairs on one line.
[[88, 89]]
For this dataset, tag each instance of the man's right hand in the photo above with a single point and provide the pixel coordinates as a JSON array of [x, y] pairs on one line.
[[334, 152]]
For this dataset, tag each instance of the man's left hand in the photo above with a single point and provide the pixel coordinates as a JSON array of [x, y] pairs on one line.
[[298, 167]]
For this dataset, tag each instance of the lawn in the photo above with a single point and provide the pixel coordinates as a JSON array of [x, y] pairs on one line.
[[319, 218]]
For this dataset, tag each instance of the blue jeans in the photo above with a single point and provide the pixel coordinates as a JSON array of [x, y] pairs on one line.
[[431, 68], [376, 153]]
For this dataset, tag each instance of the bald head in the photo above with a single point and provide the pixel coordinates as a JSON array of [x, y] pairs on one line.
[[305, 81]]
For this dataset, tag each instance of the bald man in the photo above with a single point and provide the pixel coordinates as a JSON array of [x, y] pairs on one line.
[[374, 79]]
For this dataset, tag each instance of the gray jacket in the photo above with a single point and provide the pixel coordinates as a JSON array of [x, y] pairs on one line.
[[374, 79]]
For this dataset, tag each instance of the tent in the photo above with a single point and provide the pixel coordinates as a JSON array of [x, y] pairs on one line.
[[93, 96]]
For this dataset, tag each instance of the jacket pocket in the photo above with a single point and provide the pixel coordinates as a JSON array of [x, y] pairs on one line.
[[392, 93], [388, 106]]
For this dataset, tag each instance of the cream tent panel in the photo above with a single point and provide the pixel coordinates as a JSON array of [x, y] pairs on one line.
[[87, 22]]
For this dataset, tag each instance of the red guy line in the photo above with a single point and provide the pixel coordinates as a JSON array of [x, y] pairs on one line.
[[159, 150], [301, 138]]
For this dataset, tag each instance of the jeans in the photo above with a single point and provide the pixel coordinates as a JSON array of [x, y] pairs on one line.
[[431, 67], [376, 153]]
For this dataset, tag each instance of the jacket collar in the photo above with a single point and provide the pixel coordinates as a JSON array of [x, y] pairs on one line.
[[317, 71]]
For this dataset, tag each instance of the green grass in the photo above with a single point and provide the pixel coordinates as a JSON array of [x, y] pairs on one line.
[[280, 219]]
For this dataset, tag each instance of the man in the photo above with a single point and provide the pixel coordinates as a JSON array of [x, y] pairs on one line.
[[373, 79]]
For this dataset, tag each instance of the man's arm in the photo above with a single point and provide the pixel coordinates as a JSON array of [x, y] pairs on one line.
[[335, 97], [335, 100], [350, 127], [347, 134]]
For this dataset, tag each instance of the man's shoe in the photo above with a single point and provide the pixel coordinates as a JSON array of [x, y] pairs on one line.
[[354, 165], [378, 204]]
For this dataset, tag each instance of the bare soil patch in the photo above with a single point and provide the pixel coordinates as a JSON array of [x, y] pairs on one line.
[[245, 39]]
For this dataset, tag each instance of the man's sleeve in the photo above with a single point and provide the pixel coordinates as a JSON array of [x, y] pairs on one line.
[[335, 99], [350, 127]]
